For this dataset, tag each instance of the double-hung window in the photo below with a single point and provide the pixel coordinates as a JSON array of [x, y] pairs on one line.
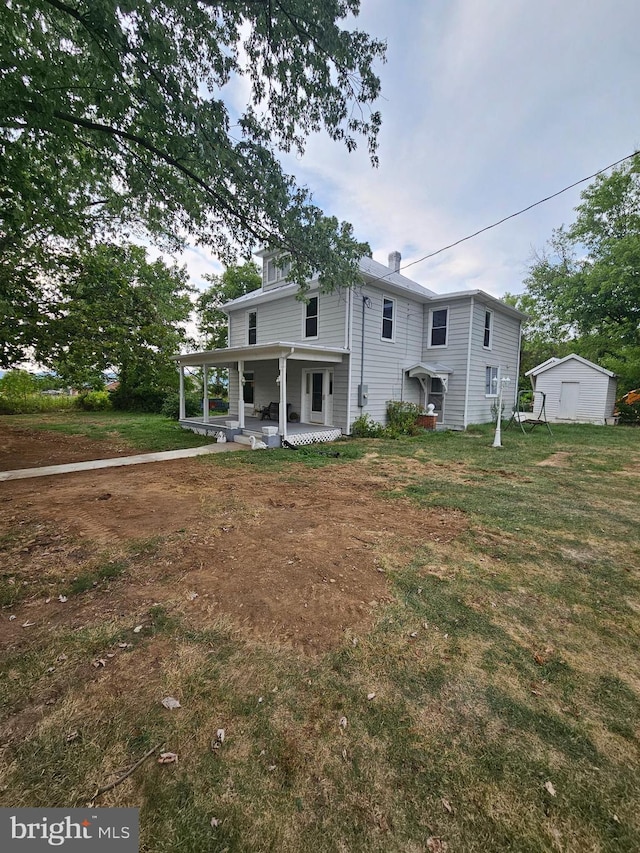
[[252, 327], [278, 269], [438, 332], [388, 307], [311, 318], [491, 381], [488, 329]]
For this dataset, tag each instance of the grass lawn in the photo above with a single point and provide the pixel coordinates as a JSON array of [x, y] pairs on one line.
[[141, 431], [494, 704]]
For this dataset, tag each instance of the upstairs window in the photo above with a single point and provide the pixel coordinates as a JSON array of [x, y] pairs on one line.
[[491, 381], [438, 334], [252, 327], [488, 328], [278, 269], [387, 319], [311, 318]]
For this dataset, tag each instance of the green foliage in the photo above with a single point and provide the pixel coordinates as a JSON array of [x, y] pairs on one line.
[[235, 281], [112, 121], [171, 405], [401, 418], [93, 401], [365, 427], [17, 385], [584, 289]]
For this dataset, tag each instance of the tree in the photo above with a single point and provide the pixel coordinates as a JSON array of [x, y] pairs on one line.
[[115, 115], [234, 282], [586, 285], [113, 309]]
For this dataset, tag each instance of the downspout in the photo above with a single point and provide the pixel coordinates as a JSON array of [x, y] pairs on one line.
[[517, 382], [468, 378], [366, 303]]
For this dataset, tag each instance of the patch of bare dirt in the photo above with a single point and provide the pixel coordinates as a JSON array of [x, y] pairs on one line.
[[33, 448], [556, 460], [300, 556]]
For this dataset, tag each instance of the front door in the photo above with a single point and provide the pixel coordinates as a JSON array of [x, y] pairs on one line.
[[318, 396]]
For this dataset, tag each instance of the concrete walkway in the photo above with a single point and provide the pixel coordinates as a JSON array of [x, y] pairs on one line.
[[117, 461]]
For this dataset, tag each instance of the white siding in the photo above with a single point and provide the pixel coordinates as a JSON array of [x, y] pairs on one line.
[[385, 361], [596, 394], [502, 353], [453, 355], [283, 320]]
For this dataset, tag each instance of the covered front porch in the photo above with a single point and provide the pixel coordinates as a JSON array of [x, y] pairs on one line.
[[293, 384]]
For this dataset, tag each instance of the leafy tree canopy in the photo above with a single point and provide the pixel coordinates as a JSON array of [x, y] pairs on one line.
[[115, 115], [113, 309], [235, 281], [583, 291]]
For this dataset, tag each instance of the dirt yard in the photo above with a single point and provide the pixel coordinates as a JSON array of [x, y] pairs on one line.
[[298, 556]]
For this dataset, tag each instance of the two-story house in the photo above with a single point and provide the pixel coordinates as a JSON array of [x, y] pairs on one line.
[[326, 360]]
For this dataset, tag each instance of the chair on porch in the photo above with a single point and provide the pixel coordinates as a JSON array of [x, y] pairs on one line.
[[272, 412]]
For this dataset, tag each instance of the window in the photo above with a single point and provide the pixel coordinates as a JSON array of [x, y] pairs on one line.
[[387, 319], [253, 327], [439, 327], [278, 269], [311, 318], [491, 381], [248, 387], [488, 326]]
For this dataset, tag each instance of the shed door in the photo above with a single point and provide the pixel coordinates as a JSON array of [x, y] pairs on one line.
[[569, 397]]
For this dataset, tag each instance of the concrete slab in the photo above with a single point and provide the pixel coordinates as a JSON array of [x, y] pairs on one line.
[[118, 461]]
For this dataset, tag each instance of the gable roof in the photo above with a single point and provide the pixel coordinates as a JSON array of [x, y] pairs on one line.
[[554, 362]]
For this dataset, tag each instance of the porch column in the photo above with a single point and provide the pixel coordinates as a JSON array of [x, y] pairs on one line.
[[241, 394], [205, 394], [182, 406], [282, 419]]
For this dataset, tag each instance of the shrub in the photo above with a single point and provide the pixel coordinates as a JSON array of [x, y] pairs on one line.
[[171, 405], [34, 404], [401, 418], [93, 401], [365, 427], [628, 408]]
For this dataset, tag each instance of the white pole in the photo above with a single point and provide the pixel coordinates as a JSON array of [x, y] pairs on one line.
[[282, 376], [241, 394], [182, 405], [498, 435], [205, 394]]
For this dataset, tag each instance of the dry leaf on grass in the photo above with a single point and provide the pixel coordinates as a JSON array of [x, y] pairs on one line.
[[446, 805], [371, 696], [98, 662], [343, 723], [215, 822], [168, 758], [217, 742], [137, 629], [436, 845], [170, 703], [549, 787]]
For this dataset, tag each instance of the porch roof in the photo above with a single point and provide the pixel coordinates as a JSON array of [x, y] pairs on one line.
[[262, 352], [428, 369]]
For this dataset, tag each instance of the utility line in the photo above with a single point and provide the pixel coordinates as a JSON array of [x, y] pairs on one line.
[[512, 215]]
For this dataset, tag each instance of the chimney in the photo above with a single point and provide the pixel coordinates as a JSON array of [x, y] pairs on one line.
[[394, 261]]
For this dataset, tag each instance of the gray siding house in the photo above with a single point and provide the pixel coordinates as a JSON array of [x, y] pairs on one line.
[[577, 390], [339, 355]]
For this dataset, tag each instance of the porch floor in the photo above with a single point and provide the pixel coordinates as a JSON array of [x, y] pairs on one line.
[[297, 433]]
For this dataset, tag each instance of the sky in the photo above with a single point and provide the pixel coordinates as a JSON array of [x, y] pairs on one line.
[[487, 107]]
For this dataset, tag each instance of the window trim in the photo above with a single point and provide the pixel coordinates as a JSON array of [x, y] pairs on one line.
[[388, 338], [430, 343], [306, 318], [280, 270], [488, 330], [251, 328], [487, 384]]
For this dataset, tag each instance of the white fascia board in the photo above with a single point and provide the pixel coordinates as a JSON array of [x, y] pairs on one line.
[[554, 362], [262, 352], [484, 297]]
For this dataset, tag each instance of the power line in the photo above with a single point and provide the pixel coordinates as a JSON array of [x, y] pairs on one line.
[[512, 215]]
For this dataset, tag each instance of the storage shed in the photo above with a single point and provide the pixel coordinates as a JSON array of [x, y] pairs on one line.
[[577, 391]]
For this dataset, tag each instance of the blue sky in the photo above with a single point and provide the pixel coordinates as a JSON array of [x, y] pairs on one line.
[[487, 106]]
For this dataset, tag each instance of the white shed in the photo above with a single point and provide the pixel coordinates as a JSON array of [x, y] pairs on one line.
[[577, 390]]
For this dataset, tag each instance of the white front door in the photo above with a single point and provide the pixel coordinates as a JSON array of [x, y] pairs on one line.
[[317, 396], [569, 396]]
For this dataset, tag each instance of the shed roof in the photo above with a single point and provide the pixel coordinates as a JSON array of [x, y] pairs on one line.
[[550, 363]]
